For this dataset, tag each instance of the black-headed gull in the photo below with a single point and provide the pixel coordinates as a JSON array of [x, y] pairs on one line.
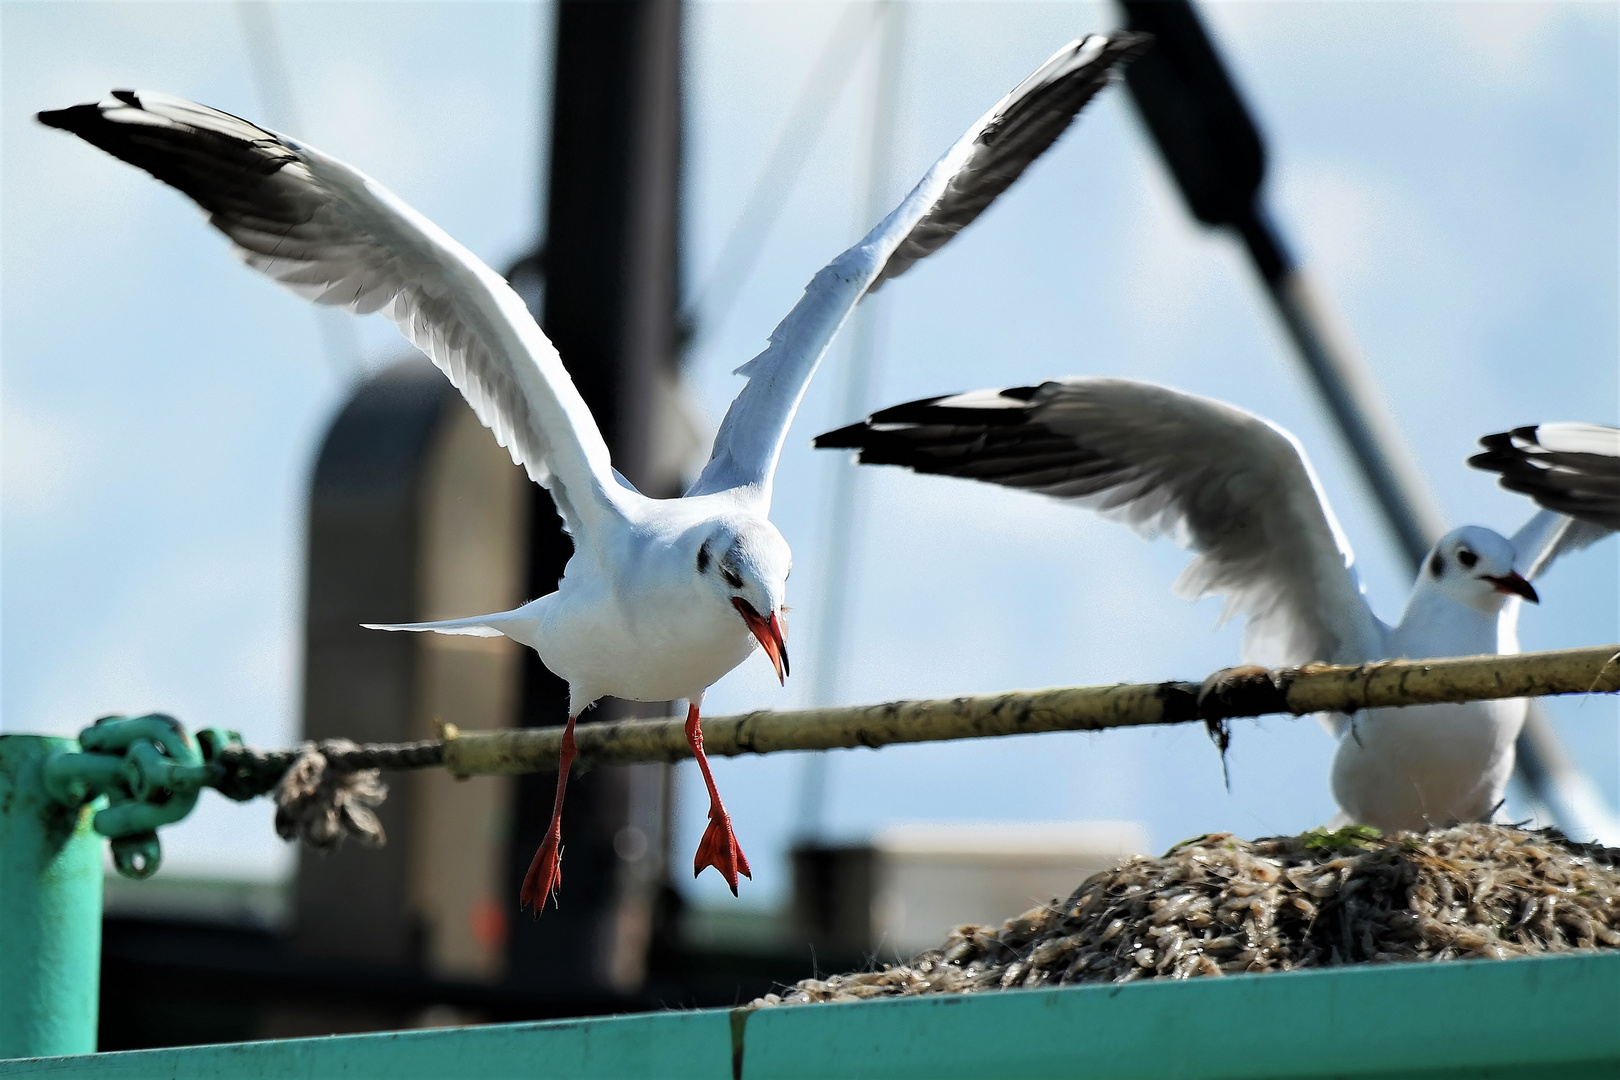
[[1240, 492], [1569, 467], [661, 596]]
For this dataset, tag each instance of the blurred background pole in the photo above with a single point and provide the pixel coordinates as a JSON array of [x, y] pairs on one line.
[[50, 909], [278, 104], [843, 511], [1214, 150], [604, 284]]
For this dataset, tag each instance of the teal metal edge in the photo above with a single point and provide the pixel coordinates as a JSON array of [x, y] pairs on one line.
[[1547, 1017], [50, 907]]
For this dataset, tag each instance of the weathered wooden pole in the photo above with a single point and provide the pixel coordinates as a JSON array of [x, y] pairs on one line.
[[50, 909], [1235, 692]]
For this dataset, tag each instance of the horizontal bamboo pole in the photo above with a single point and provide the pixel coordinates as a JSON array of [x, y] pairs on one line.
[[1235, 692]]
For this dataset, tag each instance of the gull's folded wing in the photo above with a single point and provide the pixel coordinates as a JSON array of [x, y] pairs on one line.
[[1568, 467], [1222, 482], [335, 236], [959, 186]]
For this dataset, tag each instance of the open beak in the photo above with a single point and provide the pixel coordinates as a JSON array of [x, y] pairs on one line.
[[769, 633], [1515, 585]]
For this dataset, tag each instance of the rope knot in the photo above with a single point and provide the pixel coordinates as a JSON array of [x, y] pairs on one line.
[[322, 802]]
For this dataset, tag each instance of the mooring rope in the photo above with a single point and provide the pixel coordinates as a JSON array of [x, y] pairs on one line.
[[326, 790]]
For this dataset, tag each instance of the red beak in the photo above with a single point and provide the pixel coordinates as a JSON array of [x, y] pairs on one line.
[[769, 633], [1514, 584]]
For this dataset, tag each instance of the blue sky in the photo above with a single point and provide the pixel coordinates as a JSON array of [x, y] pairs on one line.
[[1449, 171]]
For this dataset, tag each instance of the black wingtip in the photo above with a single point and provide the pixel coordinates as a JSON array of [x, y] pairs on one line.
[[1130, 43], [1502, 452], [73, 118], [845, 438], [81, 118], [856, 436], [907, 412]]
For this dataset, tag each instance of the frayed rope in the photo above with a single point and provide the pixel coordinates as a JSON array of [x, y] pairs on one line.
[[322, 803], [323, 790]]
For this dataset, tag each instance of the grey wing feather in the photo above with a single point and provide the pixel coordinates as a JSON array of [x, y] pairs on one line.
[[334, 236], [1547, 536], [1222, 482], [1020, 129], [956, 190], [1572, 468]]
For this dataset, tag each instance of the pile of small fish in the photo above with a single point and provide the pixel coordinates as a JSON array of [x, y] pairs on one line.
[[1219, 905]]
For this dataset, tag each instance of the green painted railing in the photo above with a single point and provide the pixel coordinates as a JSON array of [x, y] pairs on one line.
[[50, 906], [1540, 1018]]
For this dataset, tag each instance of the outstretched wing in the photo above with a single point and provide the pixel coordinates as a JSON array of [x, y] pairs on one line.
[[957, 189], [1568, 467], [335, 236], [1547, 536], [1222, 482]]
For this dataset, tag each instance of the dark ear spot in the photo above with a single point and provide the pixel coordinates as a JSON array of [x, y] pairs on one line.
[[703, 558], [1437, 565]]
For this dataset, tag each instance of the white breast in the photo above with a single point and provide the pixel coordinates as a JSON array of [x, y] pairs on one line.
[[653, 632], [1427, 765]]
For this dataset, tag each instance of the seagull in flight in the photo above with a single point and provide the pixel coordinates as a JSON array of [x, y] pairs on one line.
[[1239, 492], [661, 597], [1568, 467]]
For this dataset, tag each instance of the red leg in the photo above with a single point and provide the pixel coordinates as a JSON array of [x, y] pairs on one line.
[[718, 848], [545, 872]]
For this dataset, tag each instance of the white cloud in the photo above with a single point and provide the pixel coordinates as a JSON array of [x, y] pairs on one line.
[[1506, 43], [42, 458], [1176, 275]]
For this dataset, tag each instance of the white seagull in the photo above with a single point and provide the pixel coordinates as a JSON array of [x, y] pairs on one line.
[[1569, 467], [661, 596], [1239, 492]]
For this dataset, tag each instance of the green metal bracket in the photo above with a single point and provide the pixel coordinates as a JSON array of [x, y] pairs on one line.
[[150, 772], [122, 779]]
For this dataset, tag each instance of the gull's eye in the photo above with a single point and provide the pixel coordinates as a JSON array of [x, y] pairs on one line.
[[731, 579], [1466, 557]]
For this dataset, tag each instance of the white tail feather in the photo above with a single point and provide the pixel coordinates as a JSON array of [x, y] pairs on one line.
[[501, 622]]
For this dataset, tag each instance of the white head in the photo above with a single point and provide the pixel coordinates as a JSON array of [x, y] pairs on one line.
[[745, 562], [1474, 566]]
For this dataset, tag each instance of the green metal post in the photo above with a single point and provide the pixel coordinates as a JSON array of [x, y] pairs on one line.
[[50, 909]]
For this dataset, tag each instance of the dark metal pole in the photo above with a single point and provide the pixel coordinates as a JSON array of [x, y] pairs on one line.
[[1215, 152], [609, 303], [1213, 148]]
